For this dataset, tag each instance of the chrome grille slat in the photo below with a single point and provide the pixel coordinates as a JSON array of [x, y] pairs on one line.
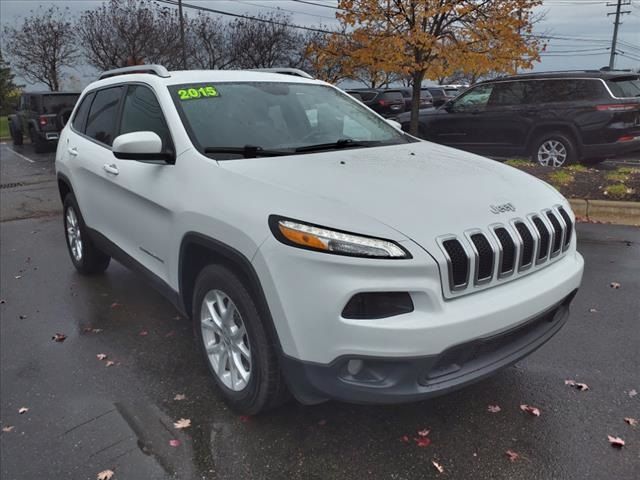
[[482, 257]]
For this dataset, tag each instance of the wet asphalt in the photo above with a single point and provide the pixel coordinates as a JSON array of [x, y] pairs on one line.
[[85, 416]]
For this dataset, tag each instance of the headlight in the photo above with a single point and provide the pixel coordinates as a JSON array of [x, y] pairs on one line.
[[314, 237]]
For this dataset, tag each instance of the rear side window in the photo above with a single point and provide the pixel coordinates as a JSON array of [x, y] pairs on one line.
[[80, 118], [101, 123], [625, 86], [141, 112], [565, 90]]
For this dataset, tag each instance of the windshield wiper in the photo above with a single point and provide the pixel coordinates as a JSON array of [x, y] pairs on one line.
[[342, 143], [248, 151]]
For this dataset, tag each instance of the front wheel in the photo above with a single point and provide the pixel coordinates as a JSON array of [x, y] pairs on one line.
[[554, 150], [86, 257], [237, 347]]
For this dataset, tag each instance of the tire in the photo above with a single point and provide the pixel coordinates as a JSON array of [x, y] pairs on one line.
[[16, 135], [554, 150], [39, 145], [258, 384], [90, 260]]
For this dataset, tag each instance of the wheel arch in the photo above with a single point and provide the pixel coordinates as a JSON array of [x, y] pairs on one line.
[[64, 186], [197, 251], [556, 127]]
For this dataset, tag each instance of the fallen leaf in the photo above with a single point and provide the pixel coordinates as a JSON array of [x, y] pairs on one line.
[[423, 441], [180, 396], [109, 363], [529, 409], [577, 385], [437, 466], [513, 456], [59, 337], [423, 433], [182, 423], [143, 333], [404, 439], [493, 408], [116, 305], [8, 428], [633, 393], [615, 441], [631, 421], [105, 475], [101, 356], [322, 422], [174, 443], [614, 285]]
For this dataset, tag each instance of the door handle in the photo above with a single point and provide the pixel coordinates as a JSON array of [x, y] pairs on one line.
[[110, 168], [73, 151]]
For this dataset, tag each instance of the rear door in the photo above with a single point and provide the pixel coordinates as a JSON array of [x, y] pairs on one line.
[[90, 158]]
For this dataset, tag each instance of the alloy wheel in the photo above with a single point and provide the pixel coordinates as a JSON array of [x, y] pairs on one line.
[[73, 234], [552, 153], [225, 340]]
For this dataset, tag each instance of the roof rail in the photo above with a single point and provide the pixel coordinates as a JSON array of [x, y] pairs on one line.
[[158, 70], [296, 72]]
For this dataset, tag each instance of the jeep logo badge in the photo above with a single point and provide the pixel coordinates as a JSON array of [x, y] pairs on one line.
[[505, 207]]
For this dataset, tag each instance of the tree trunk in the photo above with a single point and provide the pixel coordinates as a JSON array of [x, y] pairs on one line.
[[417, 78]]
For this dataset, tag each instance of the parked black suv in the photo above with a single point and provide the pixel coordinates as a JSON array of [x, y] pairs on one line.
[[41, 116], [556, 118]]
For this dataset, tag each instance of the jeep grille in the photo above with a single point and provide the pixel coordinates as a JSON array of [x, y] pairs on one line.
[[480, 257]]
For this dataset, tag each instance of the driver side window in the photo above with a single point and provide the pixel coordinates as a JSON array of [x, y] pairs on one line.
[[474, 99]]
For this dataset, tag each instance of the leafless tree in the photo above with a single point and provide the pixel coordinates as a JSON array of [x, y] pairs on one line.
[[208, 41], [129, 32], [264, 44], [42, 45]]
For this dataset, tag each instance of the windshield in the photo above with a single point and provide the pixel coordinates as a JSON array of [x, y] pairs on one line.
[[277, 116], [58, 103], [625, 86]]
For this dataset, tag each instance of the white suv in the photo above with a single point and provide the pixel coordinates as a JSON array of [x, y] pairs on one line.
[[318, 249]]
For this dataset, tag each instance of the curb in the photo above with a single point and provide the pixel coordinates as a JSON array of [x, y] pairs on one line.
[[609, 211]]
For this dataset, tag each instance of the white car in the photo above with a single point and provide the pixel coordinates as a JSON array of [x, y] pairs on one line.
[[319, 250]]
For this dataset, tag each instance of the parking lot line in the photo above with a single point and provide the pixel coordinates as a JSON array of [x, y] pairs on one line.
[[21, 156]]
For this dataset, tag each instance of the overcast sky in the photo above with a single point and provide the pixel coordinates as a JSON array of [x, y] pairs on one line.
[[583, 25]]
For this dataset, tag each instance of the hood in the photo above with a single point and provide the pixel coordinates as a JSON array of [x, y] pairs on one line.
[[421, 189]]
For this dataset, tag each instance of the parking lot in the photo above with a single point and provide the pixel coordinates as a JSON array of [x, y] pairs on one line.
[[86, 415]]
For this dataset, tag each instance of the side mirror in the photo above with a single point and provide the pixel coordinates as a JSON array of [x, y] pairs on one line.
[[394, 124], [448, 106], [140, 146]]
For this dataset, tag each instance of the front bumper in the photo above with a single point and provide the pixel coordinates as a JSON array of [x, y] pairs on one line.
[[397, 380]]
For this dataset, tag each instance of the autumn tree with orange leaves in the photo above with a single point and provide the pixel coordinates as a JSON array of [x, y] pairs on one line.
[[434, 38]]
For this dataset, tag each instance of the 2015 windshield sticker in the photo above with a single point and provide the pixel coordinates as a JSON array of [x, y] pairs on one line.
[[200, 92]]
